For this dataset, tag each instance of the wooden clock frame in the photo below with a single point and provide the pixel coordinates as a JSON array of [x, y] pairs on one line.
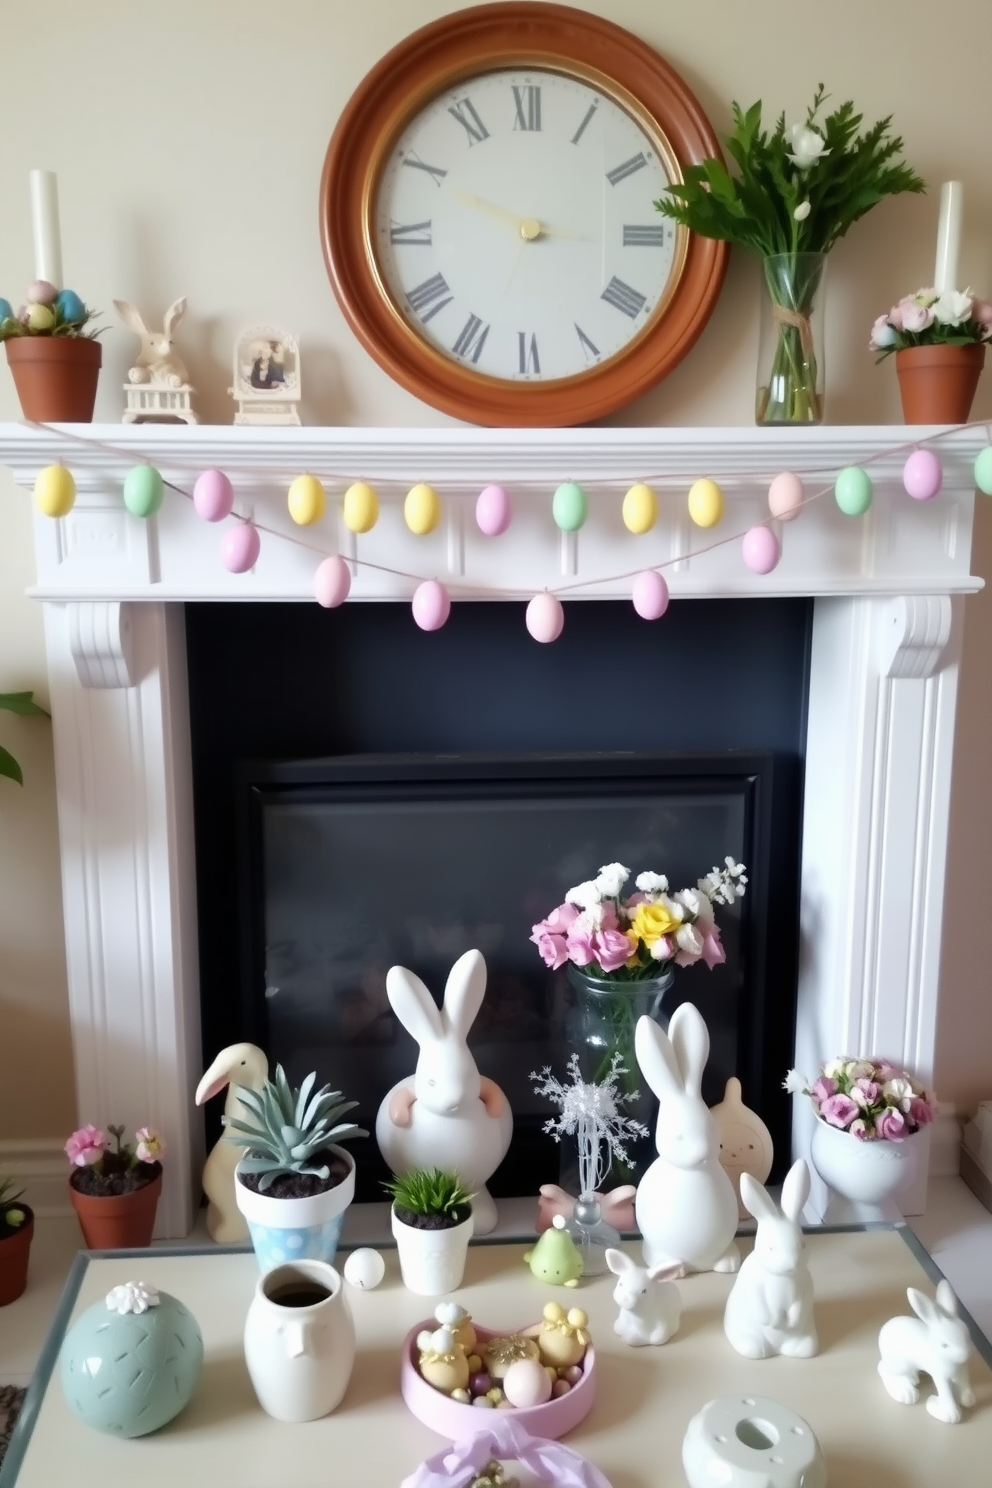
[[486, 38]]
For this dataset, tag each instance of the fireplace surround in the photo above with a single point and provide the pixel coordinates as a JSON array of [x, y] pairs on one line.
[[887, 591]]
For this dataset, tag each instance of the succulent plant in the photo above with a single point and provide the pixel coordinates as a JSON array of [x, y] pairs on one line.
[[290, 1127], [429, 1191], [12, 1213]]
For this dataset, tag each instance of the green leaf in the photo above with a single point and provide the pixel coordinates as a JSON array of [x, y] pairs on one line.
[[9, 766], [304, 1096], [23, 703]]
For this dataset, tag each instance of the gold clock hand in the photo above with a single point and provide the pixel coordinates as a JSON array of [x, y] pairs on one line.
[[528, 227]]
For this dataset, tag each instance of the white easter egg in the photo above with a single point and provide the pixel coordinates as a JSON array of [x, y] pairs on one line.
[[526, 1383], [364, 1269]]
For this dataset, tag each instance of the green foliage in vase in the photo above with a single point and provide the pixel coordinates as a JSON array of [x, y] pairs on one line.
[[290, 1127], [23, 703], [429, 1191]]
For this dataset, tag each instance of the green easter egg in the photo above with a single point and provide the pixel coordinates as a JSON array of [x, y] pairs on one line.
[[983, 471], [569, 507], [143, 491], [852, 491]]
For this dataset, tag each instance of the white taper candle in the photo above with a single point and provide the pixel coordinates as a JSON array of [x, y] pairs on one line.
[[45, 227], [945, 273]]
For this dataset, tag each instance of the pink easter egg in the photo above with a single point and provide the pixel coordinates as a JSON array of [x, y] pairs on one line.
[[213, 496], [650, 595], [41, 293], [785, 496], [493, 511], [922, 475], [239, 548], [526, 1384], [431, 605], [332, 583], [761, 550], [545, 617]]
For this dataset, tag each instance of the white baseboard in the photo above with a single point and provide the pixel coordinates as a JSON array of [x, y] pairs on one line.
[[39, 1166]]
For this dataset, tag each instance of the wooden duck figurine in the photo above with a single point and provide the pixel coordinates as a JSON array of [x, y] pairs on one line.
[[238, 1064]]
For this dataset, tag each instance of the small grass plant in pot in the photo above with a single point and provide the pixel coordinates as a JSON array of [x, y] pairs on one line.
[[53, 354], [16, 1232], [431, 1221], [295, 1181], [115, 1189]]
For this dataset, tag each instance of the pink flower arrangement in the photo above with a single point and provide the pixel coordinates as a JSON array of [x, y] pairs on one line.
[[954, 318], [89, 1147], [872, 1099]]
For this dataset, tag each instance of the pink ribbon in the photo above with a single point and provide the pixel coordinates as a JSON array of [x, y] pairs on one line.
[[457, 1465], [616, 1207]]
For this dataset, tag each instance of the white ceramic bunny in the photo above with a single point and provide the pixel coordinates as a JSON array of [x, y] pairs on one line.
[[686, 1206], [649, 1301], [156, 363], [770, 1307], [935, 1342], [447, 1116]]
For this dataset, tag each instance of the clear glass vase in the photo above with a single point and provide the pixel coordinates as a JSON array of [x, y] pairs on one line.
[[790, 353], [593, 1237]]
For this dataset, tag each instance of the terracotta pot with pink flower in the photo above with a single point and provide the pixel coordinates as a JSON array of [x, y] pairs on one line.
[[114, 1189], [939, 342]]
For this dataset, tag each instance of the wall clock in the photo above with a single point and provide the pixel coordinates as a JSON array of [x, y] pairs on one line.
[[487, 221]]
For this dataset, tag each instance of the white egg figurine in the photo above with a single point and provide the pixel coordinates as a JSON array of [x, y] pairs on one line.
[[526, 1383], [364, 1269]]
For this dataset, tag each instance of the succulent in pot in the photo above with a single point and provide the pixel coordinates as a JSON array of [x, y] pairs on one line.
[[432, 1224], [295, 1181], [16, 1232]]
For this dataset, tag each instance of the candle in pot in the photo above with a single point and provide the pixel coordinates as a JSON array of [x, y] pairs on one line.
[[45, 227], [948, 236]]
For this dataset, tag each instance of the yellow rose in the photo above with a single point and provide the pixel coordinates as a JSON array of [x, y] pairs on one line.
[[652, 921]]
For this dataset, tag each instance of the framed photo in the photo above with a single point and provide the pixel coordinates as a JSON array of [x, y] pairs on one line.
[[267, 385]]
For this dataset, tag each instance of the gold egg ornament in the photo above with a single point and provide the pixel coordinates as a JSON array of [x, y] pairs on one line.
[[54, 491]]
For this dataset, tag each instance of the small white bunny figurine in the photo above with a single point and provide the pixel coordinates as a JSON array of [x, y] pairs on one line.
[[770, 1307], [447, 1116], [156, 363], [649, 1301], [686, 1206], [935, 1342]]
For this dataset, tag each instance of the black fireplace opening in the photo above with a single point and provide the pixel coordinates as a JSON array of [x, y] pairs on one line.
[[366, 794]]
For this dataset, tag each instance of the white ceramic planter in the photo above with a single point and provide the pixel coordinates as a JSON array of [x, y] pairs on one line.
[[299, 1358], [862, 1172], [744, 1441], [296, 1229], [432, 1262]]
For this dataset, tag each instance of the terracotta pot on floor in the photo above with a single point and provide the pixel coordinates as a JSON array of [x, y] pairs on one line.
[[14, 1252], [937, 383], [119, 1221], [55, 377]]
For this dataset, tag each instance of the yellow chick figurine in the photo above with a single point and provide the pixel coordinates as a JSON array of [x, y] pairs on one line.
[[443, 1362]]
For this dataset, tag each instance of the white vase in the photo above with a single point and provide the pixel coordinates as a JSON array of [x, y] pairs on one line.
[[299, 1354], [865, 1173], [296, 1229], [432, 1262]]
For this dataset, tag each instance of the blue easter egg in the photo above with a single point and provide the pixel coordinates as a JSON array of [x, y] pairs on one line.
[[6, 309], [70, 306]]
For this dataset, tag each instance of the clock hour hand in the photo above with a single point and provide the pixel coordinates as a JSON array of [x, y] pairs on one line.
[[528, 227]]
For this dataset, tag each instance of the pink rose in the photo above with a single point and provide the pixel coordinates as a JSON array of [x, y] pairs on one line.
[[823, 1088], [859, 1129], [561, 920], [553, 948], [613, 949], [580, 946], [86, 1146], [981, 311], [713, 952], [920, 1112], [838, 1110], [894, 317], [608, 916], [891, 1125], [915, 317], [865, 1093]]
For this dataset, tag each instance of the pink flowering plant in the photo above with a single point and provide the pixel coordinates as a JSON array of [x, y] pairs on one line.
[[117, 1167], [870, 1098], [926, 318]]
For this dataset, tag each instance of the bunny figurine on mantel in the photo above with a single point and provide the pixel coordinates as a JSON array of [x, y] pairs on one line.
[[446, 1115], [158, 383]]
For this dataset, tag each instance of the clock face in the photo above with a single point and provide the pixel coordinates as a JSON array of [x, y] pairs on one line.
[[514, 229]]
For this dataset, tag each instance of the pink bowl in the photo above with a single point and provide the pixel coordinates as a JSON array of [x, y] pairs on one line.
[[454, 1420]]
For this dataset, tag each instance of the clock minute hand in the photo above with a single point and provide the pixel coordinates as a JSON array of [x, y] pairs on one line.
[[528, 227]]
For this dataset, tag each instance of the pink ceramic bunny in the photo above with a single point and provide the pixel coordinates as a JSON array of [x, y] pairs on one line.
[[686, 1206], [770, 1308], [447, 1116]]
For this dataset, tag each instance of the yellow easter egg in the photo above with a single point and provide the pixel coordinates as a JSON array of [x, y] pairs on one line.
[[307, 500], [54, 491], [640, 509], [422, 509], [361, 508], [705, 503]]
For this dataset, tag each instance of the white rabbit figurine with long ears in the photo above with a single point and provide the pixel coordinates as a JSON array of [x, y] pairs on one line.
[[934, 1342], [686, 1207], [447, 1115], [770, 1307], [157, 362], [649, 1301]]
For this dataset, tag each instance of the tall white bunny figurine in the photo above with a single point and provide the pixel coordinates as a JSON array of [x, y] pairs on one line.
[[770, 1307], [447, 1116], [686, 1207], [649, 1301], [935, 1342], [157, 362]]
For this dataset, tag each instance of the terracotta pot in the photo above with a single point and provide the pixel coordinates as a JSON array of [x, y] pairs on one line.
[[937, 383], [55, 377], [119, 1221], [14, 1252]]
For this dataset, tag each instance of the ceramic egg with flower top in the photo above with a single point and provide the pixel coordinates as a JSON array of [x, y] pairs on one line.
[[443, 1362], [564, 1336]]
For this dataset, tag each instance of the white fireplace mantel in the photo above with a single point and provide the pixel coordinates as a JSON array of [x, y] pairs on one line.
[[888, 586]]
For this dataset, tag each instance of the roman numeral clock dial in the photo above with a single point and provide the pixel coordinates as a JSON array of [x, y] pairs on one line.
[[510, 267]]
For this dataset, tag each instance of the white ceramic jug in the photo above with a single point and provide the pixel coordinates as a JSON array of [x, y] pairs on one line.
[[299, 1341]]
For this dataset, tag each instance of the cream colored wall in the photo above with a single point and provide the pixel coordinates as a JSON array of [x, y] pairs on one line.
[[188, 140]]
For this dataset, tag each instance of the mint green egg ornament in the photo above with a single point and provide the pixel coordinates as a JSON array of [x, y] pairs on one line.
[[983, 470], [131, 1362], [143, 491], [569, 507], [853, 491]]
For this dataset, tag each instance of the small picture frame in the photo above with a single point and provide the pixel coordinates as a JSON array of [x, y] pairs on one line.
[[266, 373]]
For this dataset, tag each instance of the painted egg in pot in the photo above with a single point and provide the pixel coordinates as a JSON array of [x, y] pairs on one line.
[[493, 511], [70, 306]]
